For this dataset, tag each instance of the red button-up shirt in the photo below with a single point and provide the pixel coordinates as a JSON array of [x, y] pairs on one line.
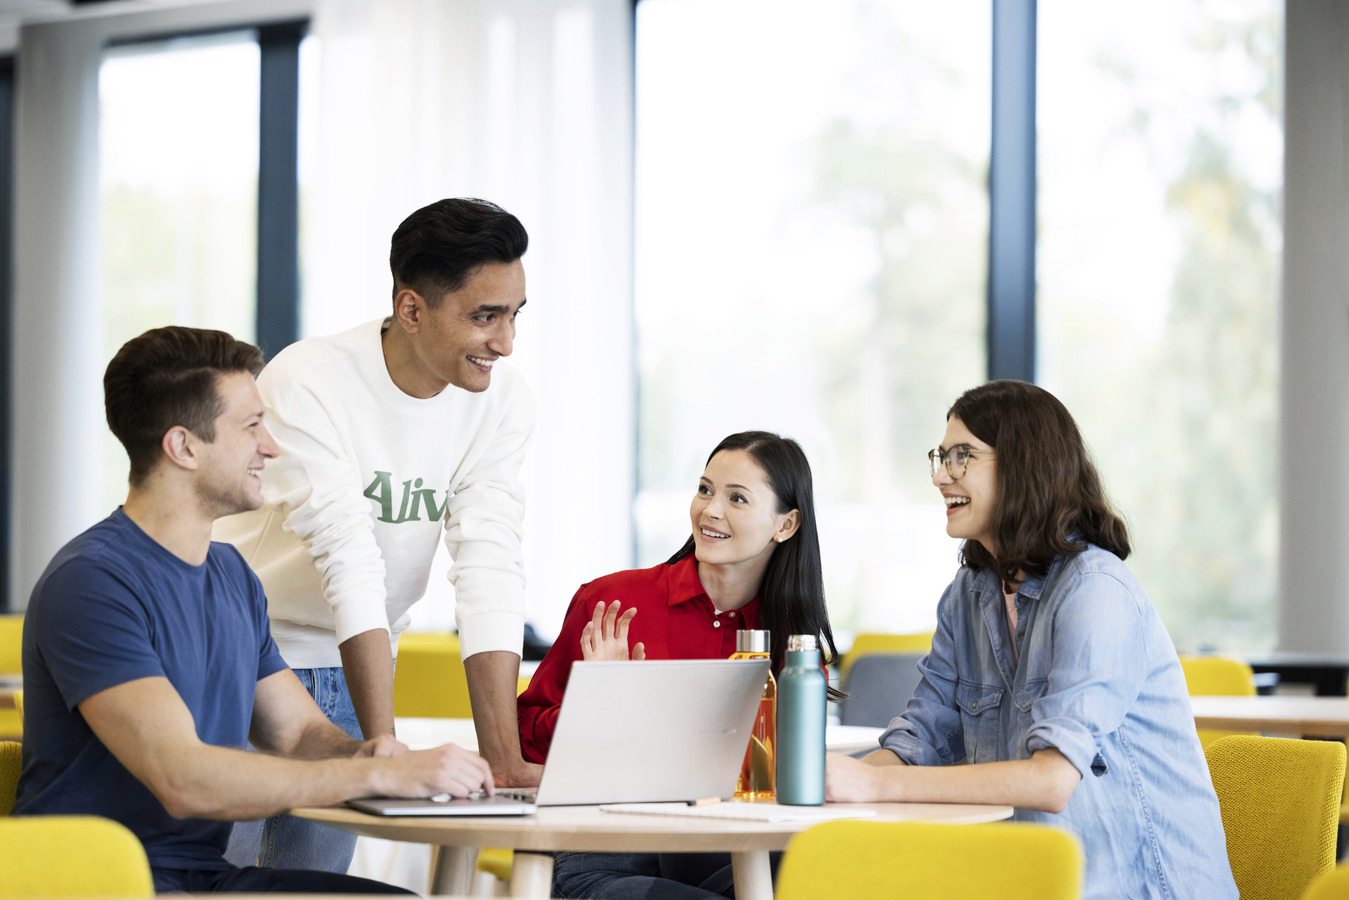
[[675, 620]]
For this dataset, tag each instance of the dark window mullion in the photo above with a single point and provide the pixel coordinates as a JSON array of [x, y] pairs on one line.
[[1011, 194], [6, 315], [278, 318]]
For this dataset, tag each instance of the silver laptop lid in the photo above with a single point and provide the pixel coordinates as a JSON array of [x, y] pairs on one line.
[[652, 730]]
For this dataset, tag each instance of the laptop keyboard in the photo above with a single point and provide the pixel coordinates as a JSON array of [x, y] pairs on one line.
[[529, 795]]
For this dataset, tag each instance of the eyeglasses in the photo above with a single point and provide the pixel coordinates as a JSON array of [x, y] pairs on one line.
[[956, 459]]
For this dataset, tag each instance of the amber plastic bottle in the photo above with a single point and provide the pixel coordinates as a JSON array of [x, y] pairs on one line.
[[758, 772]]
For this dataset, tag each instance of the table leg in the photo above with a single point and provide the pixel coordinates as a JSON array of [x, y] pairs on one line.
[[452, 872], [753, 876], [532, 875]]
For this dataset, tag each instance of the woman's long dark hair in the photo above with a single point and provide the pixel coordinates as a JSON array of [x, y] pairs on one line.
[[1050, 501], [791, 597]]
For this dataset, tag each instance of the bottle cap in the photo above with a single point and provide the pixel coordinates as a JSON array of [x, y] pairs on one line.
[[802, 642], [752, 640]]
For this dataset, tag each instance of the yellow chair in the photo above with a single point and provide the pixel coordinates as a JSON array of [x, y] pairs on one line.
[[863, 860], [11, 663], [1215, 676], [875, 642], [10, 766], [1333, 885], [1280, 801], [429, 680], [71, 856]]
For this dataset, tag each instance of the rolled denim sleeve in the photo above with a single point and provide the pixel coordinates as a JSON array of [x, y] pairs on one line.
[[929, 732], [1097, 672]]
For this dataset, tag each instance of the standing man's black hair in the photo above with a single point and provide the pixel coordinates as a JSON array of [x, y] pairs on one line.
[[437, 248]]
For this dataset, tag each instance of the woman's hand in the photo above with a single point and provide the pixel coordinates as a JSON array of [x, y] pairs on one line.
[[849, 780], [606, 634]]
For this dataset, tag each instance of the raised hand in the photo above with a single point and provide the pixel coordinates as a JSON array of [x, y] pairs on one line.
[[606, 634]]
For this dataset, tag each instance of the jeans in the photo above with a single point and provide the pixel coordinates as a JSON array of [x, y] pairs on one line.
[[645, 876], [285, 842], [253, 880]]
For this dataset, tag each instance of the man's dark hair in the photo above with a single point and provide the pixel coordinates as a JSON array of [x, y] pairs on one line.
[[437, 248], [167, 377], [1050, 501]]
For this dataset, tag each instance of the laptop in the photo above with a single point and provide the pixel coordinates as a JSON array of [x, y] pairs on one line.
[[632, 732]]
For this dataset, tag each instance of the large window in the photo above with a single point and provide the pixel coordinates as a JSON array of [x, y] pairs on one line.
[[811, 258], [178, 166], [1160, 171], [811, 237]]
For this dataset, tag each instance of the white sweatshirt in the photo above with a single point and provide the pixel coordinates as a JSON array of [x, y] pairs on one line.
[[367, 481]]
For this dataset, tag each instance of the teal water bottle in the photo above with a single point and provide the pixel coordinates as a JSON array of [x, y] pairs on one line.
[[802, 707]]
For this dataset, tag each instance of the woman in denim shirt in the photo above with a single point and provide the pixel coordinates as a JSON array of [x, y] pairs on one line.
[[1050, 669]]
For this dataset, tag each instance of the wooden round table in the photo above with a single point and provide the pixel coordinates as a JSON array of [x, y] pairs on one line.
[[589, 828]]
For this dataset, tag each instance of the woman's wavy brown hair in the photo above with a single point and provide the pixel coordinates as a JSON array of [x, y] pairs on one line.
[[1049, 498]]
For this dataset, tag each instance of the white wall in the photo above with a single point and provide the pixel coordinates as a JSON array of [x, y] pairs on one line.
[[1314, 394]]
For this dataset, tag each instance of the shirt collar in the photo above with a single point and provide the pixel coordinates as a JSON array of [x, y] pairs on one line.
[[685, 586], [684, 583]]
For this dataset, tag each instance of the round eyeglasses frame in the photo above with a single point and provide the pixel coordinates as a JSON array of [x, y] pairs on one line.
[[956, 459]]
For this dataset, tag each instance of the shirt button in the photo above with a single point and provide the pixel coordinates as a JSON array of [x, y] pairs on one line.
[[731, 614], [716, 623]]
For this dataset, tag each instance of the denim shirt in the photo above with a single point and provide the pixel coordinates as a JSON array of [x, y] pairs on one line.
[[1099, 681]]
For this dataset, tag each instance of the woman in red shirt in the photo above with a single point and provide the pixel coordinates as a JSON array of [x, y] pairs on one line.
[[752, 561]]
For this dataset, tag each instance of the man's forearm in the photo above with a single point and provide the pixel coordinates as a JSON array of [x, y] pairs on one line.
[[367, 663], [493, 679]]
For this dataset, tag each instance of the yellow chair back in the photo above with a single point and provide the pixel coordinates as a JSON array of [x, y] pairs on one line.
[[1280, 801], [1216, 676], [71, 856], [863, 860], [429, 679], [11, 663], [1333, 885], [874, 642], [11, 645], [11, 764]]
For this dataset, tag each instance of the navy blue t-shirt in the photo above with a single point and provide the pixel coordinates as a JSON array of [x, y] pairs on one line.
[[114, 606]]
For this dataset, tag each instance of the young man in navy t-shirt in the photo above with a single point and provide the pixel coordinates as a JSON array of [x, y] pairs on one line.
[[148, 664]]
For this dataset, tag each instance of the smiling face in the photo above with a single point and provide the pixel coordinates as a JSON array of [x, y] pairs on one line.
[[969, 501], [231, 465], [458, 341], [735, 513]]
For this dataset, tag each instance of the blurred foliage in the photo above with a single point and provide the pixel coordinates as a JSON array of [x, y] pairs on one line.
[[1184, 423]]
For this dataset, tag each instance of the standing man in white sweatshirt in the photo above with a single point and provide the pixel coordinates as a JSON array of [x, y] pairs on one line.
[[392, 436]]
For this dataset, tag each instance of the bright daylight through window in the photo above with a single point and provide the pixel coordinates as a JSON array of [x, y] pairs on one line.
[[1159, 285], [812, 226], [178, 170], [811, 233]]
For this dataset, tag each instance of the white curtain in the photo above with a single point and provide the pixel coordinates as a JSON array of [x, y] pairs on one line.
[[526, 103]]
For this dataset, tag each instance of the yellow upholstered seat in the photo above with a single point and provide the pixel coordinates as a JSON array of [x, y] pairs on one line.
[[1215, 676], [876, 642], [863, 860], [1332, 885], [71, 856], [10, 765], [429, 679], [1280, 802]]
